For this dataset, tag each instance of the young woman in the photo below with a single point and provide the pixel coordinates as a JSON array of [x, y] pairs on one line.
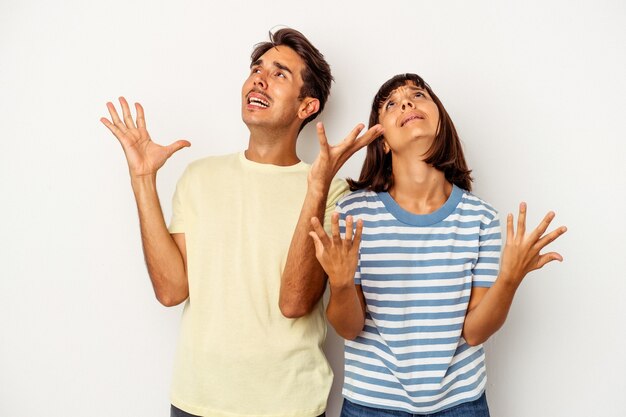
[[414, 280]]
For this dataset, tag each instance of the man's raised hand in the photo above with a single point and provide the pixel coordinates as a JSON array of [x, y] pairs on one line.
[[144, 157], [331, 158]]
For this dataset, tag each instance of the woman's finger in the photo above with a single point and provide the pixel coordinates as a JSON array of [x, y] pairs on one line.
[[319, 231], [548, 257], [509, 228], [349, 224], [319, 246], [334, 228], [521, 221], [543, 226], [358, 234], [550, 237]]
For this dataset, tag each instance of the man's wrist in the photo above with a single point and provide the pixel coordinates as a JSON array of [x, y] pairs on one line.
[[141, 182], [319, 188]]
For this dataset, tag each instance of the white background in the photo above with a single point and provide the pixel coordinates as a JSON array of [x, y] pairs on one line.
[[536, 90]]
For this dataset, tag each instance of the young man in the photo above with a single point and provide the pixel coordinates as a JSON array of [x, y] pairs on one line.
[[253, 325]]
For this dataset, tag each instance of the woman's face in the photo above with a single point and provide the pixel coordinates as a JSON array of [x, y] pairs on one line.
[[410, 117]]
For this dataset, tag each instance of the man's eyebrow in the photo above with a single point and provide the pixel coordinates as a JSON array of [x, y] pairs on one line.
[[282, 67], [277, 64]]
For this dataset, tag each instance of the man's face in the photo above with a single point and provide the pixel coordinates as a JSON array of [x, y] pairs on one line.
[[270, 93]]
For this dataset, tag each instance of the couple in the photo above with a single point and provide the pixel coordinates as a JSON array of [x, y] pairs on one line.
[[411, 259]]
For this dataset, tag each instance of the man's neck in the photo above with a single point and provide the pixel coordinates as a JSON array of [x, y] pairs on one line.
[[276, 148]]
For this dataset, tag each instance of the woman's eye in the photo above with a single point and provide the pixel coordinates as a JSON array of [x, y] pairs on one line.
[[389, 104], [419, 94], [280, 74]]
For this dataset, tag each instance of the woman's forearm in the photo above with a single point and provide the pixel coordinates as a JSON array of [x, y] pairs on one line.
[[345, 311], [490, 313]]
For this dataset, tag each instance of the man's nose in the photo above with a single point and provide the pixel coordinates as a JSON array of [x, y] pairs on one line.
[[259, 80]]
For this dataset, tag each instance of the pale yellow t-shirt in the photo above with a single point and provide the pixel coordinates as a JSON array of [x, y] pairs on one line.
[[237, 354]]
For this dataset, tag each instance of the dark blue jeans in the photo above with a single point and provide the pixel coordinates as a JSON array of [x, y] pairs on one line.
[[177, 412], [476, 408]]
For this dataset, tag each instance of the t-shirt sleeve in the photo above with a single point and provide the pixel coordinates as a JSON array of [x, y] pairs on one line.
[[485, 271], [338, 188], [177, 223]]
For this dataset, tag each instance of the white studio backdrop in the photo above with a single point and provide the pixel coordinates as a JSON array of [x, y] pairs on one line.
[[536, 90]]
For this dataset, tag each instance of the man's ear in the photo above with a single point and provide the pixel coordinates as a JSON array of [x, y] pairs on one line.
[[308, 107]]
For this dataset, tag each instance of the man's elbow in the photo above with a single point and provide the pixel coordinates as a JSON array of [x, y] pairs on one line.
[[293, 310], [350, 335], [169, 299], [169, 302]]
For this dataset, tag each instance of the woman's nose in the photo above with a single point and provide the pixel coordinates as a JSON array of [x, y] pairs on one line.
[[406, 103]]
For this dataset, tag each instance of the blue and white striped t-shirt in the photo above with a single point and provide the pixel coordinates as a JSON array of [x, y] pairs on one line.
[[417, 272]]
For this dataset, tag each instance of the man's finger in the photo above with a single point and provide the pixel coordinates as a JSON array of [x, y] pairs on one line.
[[128, 118], [114, 129], [321, 136], [141, 118], [177, 146], [115, 117], [371, 134]]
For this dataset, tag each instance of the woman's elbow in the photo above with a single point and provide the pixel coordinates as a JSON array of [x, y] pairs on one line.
[[474, 340]]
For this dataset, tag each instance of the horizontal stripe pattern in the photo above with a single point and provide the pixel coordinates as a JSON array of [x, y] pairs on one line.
[[417, 274]]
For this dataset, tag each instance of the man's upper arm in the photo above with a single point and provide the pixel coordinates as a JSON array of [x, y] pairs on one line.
[[179, 239], [338, 189]]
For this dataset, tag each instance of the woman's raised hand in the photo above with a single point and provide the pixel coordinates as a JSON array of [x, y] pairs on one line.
[[522, 252], [339, 257], [144, 157]]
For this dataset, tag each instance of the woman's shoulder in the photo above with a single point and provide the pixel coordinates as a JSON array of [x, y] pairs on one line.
[[359, 198], [472, 202]]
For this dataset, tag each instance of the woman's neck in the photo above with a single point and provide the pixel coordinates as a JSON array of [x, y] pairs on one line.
[[418, 188]]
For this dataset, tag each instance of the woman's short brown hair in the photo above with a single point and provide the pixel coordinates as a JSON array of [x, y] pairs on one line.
[[445, 154]]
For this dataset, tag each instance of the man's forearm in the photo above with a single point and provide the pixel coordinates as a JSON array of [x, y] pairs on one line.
[[164, 260], [303, 280]]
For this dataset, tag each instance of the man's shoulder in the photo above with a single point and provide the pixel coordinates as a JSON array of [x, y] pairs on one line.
[[210, 164]]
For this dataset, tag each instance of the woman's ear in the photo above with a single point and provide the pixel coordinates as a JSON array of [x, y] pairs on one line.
[[386, 147]]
